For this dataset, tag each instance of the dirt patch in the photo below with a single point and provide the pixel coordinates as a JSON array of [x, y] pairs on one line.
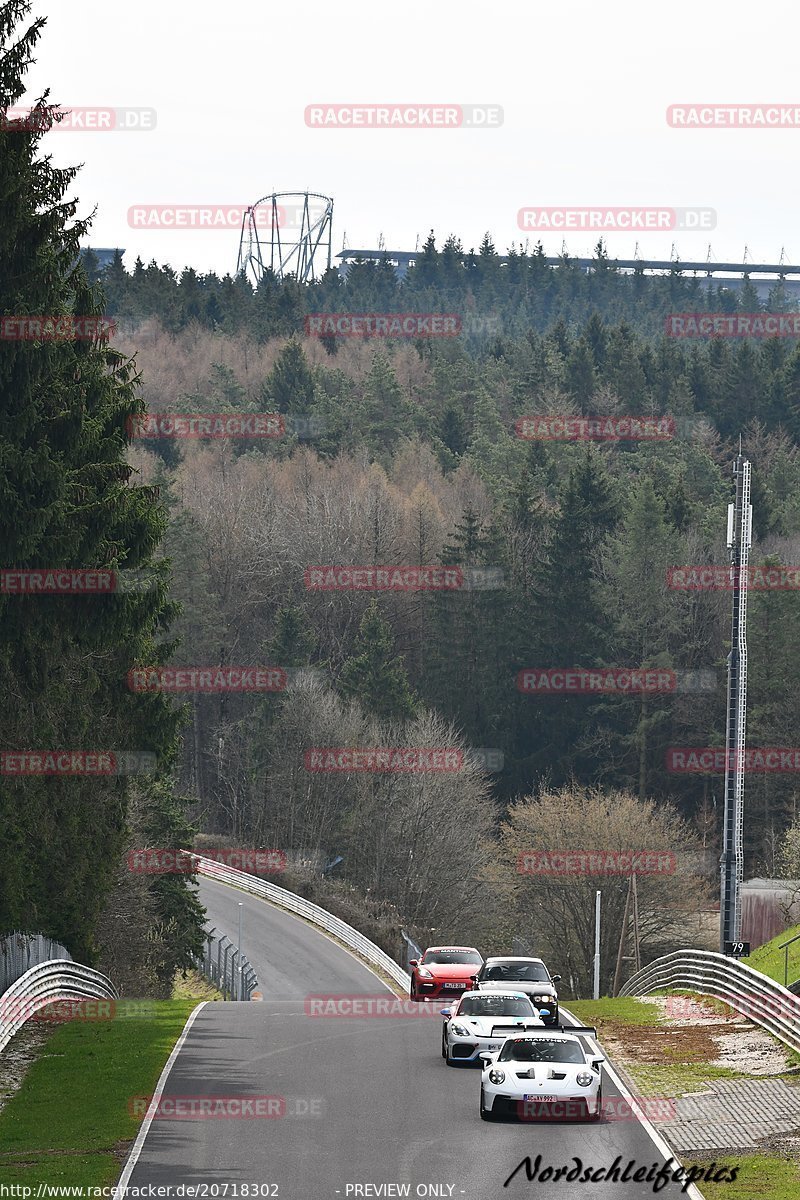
[[654, 1044], [20, 1053]]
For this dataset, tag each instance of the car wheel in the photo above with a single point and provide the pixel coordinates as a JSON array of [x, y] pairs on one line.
[[444, 1046], [595, 1116], [413, 992], [486, 1114]]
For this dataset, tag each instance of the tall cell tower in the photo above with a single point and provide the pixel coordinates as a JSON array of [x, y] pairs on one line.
[[287, 233], [740, 525]]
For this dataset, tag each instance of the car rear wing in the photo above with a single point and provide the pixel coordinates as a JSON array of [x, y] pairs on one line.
[[510, 1030], [589, 1029]]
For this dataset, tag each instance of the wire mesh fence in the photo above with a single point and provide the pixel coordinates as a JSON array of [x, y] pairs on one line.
[[21, 951], [220, 965]]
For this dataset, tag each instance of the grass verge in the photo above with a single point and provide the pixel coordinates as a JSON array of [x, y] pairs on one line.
[[69, 1121], [664, 1061], [768, 959], [624, 1010], [758, 1175]]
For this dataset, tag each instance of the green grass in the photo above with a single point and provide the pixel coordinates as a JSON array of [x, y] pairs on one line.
[[676, 1078], [768, 959], [71, 1111], [759, 1175], [622, 1008]]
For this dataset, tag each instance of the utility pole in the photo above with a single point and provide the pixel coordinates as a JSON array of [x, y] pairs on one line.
[[623, 934], [740, 527], [239, 957], [596, 988], [637, 950]]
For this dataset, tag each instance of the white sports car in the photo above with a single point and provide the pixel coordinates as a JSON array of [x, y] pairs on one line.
[[481, 1021], [542, 1075]]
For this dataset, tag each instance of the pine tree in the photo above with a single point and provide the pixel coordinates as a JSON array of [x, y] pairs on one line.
[[375, 676], [650, 623], [66, 501], [571, 628], [290, 384], [581, 377]]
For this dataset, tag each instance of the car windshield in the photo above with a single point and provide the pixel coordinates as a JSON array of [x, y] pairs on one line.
[[507, 971], [495, 1006], [533, 1050], [443, 957]]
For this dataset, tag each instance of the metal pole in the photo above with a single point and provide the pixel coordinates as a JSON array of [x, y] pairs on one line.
[[637, 952], [740, 520], [239, 960], [596, 990], [622, 938]]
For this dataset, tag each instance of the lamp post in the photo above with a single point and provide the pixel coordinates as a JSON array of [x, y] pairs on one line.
[[239, 960], [596, 988]]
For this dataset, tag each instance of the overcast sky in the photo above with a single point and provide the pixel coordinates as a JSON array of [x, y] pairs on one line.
[[584, 88]]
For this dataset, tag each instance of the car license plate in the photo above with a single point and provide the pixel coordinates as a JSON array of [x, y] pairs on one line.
[[494, 1045], [542, 1099], [460, 986]]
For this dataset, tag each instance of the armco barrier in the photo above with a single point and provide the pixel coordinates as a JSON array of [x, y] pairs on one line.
[[311, 912], [756, 996], [58, 978]]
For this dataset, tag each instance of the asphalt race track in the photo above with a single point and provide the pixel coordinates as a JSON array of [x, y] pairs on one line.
[[366, 1101]]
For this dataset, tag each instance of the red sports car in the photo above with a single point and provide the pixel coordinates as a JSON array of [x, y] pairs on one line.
[[443, 971]]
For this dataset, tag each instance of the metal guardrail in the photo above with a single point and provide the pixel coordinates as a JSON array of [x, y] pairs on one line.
[[220, 966], [57, 979], [311, 912], [747, 991], [21, 951]]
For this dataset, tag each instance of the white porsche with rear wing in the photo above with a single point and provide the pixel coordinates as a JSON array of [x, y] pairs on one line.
[[481, 1021], [543, 1075]]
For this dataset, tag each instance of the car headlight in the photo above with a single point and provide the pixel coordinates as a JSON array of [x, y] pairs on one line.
[[424, 973], [584, 1078], [496, 1076], [545, 999], [460, 1031]]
